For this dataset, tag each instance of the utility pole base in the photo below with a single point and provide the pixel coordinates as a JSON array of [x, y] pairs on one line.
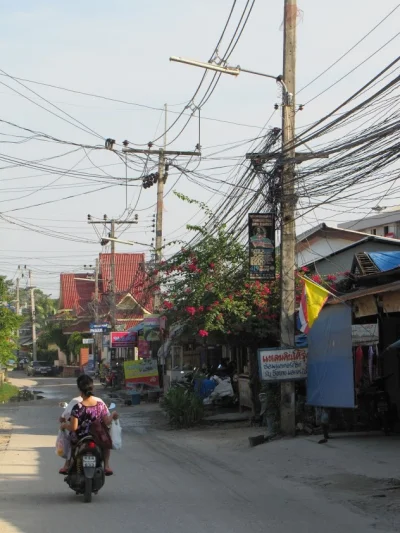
[[288, 409]]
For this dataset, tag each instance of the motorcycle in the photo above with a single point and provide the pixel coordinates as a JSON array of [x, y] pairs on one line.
[[86, 472], [114, 378]]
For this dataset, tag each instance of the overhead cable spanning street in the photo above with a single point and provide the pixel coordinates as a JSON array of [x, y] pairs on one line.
[[200, 228]]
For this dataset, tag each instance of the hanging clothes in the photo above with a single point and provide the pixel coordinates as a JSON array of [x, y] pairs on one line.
[[358, 365]]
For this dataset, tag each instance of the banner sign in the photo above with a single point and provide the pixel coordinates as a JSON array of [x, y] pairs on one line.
[[87, 341], [106, 341], [151, 328], [144, 371], [282, 364], [122, 339], [262, 246]]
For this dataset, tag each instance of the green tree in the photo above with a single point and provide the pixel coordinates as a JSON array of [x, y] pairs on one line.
[[9, 324], [206, 288], [74, 343]]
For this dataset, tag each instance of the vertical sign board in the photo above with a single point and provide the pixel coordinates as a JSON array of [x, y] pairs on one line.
[[262, 246], [91, 363]]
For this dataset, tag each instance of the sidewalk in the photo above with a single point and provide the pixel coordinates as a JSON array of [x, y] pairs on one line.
[[357, 470]]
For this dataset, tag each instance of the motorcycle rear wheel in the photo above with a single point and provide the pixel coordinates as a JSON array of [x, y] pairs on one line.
[[88, 490]]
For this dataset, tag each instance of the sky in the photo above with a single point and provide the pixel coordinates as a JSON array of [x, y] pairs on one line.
[[121, 50]]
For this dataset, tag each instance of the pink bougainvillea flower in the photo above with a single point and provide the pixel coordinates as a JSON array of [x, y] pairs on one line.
[[331, 277], [192, 267], [200, 309], [191, 310], [305, 269], [212, 266], [316, 278], [168, 305], [203, 333], [188, 291]]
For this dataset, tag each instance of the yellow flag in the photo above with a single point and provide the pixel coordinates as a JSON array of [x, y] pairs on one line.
[[312, 301]]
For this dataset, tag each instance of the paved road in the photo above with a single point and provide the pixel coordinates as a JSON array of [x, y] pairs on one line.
[[160, 486]]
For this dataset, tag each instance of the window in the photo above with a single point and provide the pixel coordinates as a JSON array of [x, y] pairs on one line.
[[385, 230], [373, 231]]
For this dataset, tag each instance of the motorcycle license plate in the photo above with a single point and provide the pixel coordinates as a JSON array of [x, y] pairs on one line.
[[89, 461]]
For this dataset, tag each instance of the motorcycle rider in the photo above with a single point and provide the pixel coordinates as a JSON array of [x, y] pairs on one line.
[[81, 411]]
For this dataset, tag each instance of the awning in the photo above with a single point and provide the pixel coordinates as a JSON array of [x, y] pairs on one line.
[[137, 328]]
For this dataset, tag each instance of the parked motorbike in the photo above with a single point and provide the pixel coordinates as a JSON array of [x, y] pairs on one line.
[[186, 381], [86, 472], [113, 378]]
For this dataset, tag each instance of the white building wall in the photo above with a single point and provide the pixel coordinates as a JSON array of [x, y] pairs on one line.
[[383, 231]]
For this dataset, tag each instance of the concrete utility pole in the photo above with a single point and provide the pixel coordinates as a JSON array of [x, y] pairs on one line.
[[18, 304], [288, 209], [113, 306], [96, 291], [113, 223], [33, 317], [97, 336], [162, 178]]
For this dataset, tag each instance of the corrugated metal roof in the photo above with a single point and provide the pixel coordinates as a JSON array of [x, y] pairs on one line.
[[385, 260]]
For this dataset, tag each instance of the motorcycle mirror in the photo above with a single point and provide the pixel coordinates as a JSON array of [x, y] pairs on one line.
[[112, 406], [64, 405]]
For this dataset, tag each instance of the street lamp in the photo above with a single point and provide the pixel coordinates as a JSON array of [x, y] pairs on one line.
[[234, 71], [106, 240]]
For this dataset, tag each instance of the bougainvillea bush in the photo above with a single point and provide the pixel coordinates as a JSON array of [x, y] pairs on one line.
[[206, 287]]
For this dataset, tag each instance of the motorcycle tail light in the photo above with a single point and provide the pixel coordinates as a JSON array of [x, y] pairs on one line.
[[91, 445]]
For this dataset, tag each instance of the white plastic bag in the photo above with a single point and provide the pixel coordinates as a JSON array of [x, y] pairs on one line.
[[62, 444], [116, 435]]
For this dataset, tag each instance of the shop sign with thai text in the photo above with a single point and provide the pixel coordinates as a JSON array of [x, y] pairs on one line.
[[282, 364]]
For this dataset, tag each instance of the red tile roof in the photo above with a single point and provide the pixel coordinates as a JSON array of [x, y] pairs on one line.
[[76, 294], [130, 277]]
